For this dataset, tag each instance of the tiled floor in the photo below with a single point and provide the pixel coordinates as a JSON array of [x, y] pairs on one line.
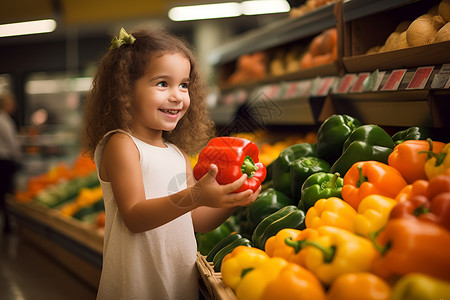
[[28, 274]]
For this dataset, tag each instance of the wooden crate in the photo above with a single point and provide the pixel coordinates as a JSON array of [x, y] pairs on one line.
[[215, 287]]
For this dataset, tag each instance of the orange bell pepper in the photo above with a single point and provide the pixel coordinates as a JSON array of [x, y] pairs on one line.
[[357, 286], [294, 282], [418, 187], [408, 245], [408, 159], [371, 177], [276, 245]]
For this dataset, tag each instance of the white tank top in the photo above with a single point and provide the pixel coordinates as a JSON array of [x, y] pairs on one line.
[[159, 263]]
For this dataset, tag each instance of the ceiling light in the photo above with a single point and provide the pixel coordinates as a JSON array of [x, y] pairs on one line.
[[205, 11], [228, 9], [258, 7], [24, 28]]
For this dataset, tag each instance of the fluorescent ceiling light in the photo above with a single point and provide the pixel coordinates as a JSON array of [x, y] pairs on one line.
[[24, 28], [55, 86], [228, 10], [259, 7], [205, 11]]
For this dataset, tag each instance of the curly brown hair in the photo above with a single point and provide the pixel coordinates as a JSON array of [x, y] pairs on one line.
[[109, 103]]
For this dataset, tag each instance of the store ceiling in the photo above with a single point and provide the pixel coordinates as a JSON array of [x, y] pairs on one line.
[[81, 12]]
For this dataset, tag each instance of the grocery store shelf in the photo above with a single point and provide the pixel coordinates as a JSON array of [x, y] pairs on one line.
[[432, 54], [275, 34], [400, 108], [77, 247], [355, 9]]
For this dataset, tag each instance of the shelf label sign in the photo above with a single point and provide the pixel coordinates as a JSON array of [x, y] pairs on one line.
[[303, 88], [358, 86], [394, 80], [324, 86], [291, 90], [420, 78], [345, 83], [373, 81], [442, 79]]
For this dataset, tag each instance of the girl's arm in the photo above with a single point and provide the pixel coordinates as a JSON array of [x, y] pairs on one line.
[[207, 218], [121, 167]]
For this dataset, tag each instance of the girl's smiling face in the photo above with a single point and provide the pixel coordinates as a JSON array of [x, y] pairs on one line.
[[161, 95]]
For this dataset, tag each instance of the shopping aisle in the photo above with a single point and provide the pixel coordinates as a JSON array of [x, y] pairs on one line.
[[26, 273]]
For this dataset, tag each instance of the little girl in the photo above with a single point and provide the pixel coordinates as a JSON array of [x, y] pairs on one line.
[[145, 113]]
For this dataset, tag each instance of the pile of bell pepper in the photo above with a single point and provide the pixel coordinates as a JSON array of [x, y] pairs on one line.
[[358, 215]]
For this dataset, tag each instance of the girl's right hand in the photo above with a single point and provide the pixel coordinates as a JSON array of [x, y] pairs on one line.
[[210, 193]]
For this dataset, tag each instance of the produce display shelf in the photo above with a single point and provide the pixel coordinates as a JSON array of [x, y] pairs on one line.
[[354, 9], [276, 34], [78, 247], [73, 244]]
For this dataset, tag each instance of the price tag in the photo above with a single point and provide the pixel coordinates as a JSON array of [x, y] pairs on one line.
[[304, 87], [372, 83], [358, 86], [442, 78], [394, 80], [345, 83], [324, 86], [291, 90], [315, 86], [272, 91], [420, 78]]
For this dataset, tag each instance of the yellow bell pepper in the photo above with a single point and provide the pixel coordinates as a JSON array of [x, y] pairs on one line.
[[373, 214], [332, 212], [277, 247], [253, 284], [292, 283], [237, 263], [334, 252], [358, 286], [417, 286], [437, 163]]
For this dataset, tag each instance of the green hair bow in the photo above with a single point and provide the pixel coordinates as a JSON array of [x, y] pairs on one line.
[[124, 38]]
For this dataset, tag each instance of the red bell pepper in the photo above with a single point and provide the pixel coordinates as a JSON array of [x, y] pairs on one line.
[[409, 245], [233, 157], [434, 206]]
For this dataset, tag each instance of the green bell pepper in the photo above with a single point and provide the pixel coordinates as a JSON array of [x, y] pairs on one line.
[[218, 258], [287, 217], [318, 186], [281, 175], [207, 241], [411, 133], [332, 134], [224, 242], [301, 169], [267, 202], [367, 142]]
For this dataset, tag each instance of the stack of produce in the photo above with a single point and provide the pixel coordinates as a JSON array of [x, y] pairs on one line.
[[74, 191], [309, 5], [431, 27], [83, 166], [249, 67], [322, 50], [358, 215]]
